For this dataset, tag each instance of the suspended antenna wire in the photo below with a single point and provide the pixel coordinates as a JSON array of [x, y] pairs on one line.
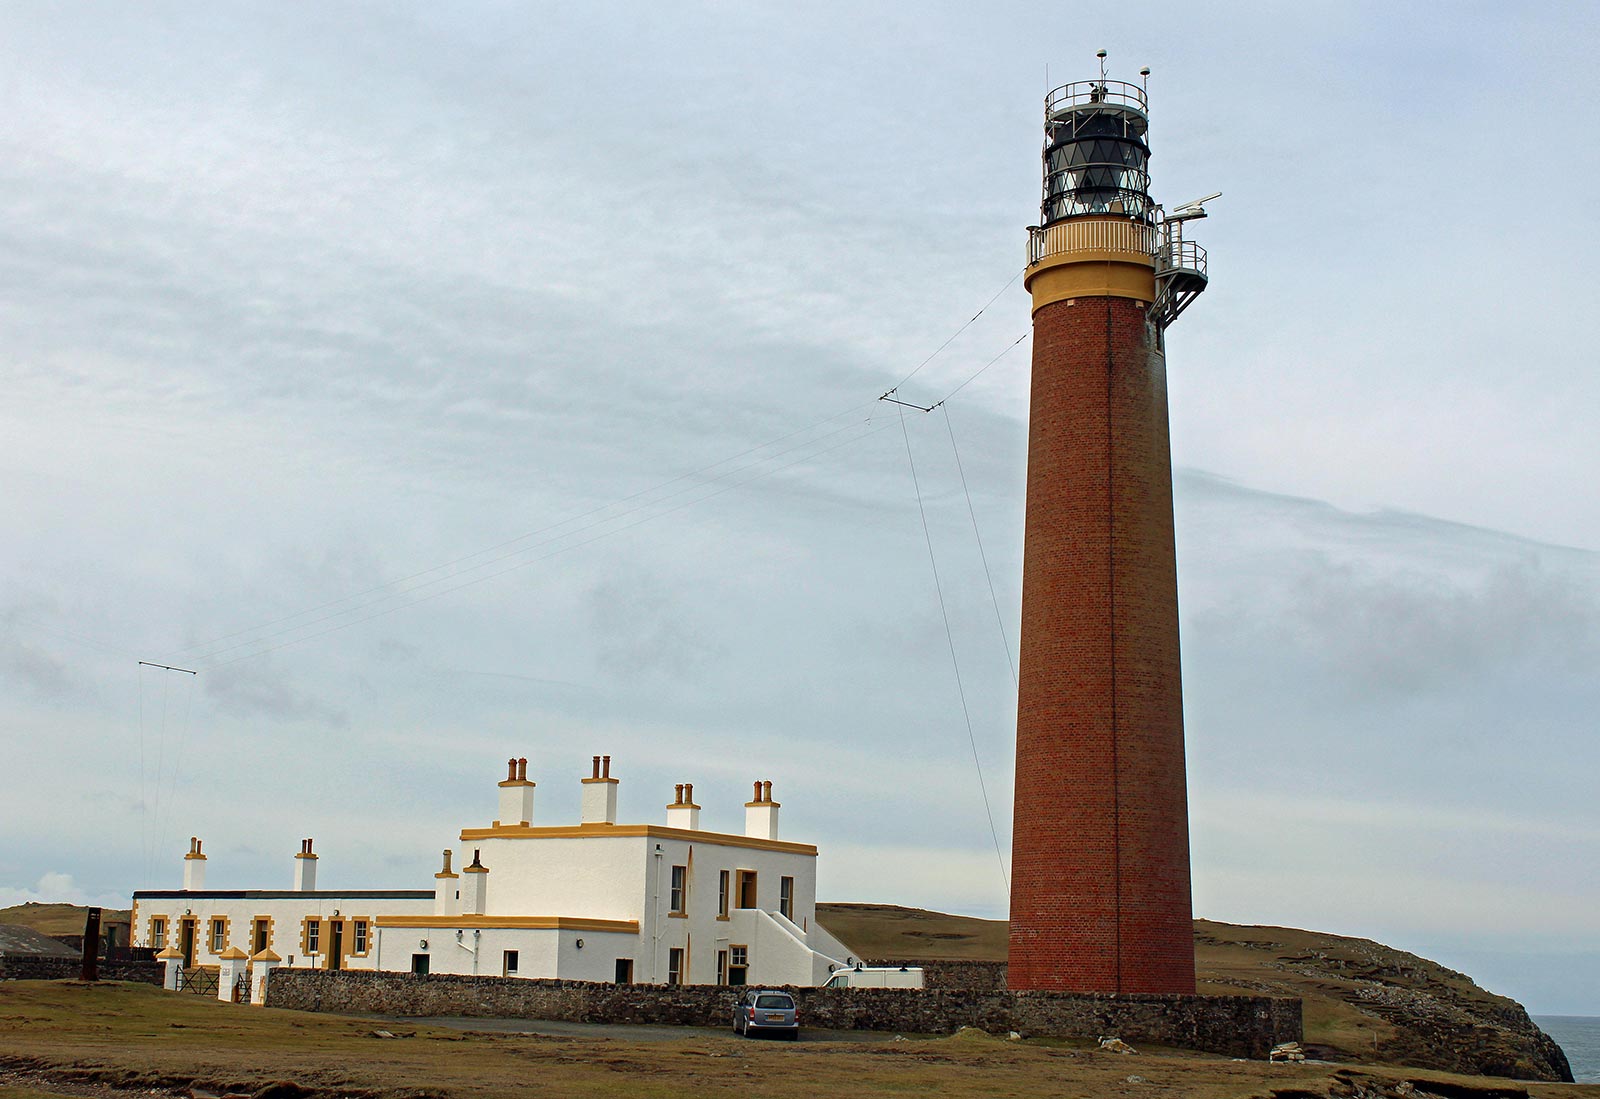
[[960, 330], [982, 368], [148, 826], [144, 810], [949, 637], [999, 619], [555, 552], [257, 640], [500, 545], [177, 767], [389, 585]]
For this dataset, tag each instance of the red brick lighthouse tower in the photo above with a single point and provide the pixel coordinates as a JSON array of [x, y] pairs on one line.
[[1100, 884]]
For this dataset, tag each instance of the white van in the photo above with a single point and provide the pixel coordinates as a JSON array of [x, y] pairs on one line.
[[877, 976]]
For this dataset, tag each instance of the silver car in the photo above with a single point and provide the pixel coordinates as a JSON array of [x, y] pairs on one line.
[[766, 1010]]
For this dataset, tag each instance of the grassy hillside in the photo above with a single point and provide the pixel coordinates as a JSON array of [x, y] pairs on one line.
[[57, 919], [1362, 1001]]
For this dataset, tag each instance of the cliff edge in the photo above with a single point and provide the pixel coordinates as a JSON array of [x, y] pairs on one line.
[[1362, 1002]]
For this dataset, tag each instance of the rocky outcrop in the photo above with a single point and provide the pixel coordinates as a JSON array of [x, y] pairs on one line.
[[1415, 1011], [1364, 1002]]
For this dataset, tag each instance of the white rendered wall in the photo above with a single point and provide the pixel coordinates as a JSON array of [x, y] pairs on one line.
[[287, 914]]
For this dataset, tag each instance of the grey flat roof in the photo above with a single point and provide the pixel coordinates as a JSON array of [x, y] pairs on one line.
[[17, 941], [287, 894]]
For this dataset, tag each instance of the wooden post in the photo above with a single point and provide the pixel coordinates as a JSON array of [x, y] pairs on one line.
[[91, 945]]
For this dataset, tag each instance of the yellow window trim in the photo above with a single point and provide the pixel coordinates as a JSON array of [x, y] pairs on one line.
[[351, 921], [227, 933], [305, 936], [272, 927]]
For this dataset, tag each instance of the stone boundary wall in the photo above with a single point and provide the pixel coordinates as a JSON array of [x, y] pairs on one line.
[[1236, 1026], [59, 969], [942, 973]]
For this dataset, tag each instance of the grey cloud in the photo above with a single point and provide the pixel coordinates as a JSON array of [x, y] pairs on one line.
[[255, 690]]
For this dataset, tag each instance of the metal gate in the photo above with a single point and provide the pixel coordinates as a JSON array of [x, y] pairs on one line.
[[202, 982]]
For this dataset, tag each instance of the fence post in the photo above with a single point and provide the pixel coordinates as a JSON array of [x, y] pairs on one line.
[[262, 963], [91, 946], [172, 958], [230, 966]]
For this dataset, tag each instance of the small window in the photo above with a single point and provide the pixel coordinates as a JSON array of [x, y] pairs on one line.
[[675, 966], [313, 936], [508, 964], [360, 936], [786, 898], [419, 964], [680, 889], [260, 934], [219, 934], [158, 933], [624, 971], [722, 892], [838, 980], [738, 955]]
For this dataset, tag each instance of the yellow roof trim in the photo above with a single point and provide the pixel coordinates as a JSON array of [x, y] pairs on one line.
[[517, 923], [647, 831]]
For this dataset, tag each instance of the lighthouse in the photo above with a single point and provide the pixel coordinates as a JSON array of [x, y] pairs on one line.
[[1100, 898]]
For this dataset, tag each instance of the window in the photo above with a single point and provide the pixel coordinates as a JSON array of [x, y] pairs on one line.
[[746, 890], [675, 966], [419, 964], [786, 898], [359, 935], [260, 934], [624, 971], [219, 934], [722, 965], [313, 935], [722, 894], [508, 964], [158, 932], [680, 890]]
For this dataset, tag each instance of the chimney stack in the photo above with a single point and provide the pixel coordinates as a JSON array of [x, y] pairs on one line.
[[683, 812], [600, 794], [474, 887], [516, 796], [761, 814], [305, 869], [194, 868], [447, 883]]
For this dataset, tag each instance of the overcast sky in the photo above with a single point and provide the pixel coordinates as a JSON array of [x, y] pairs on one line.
[[450, 385]]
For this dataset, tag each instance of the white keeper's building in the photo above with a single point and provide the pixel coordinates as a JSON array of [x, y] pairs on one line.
[[590, 901]]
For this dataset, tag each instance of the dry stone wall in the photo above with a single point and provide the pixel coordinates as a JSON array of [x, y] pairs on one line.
[[57, 969], [1237, 1026]]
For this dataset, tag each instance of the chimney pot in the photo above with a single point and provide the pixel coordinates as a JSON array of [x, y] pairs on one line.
[[605, 766], [522, 768], [766, 790], [677, 798], [511, 770], [596, 768], [446, 860], [688, 792]]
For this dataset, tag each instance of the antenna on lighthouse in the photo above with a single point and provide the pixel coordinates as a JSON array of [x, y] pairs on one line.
[[1101, 54]]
